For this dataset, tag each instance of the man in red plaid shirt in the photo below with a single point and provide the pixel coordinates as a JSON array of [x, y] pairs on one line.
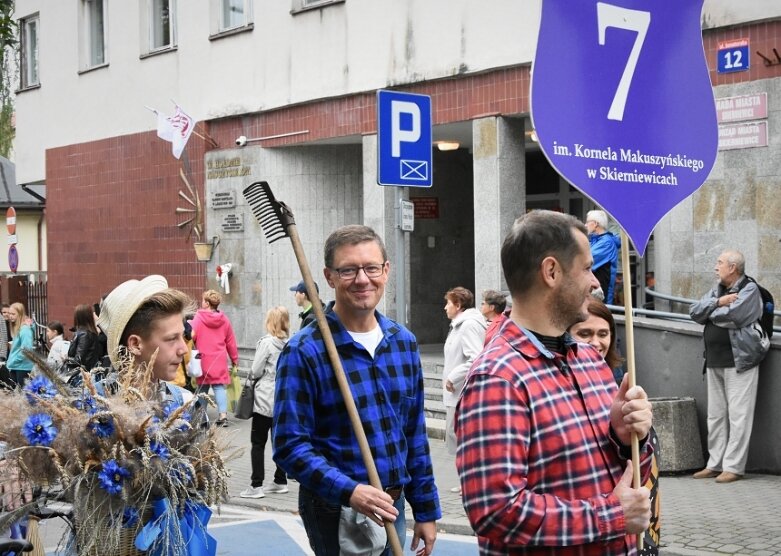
[[543, 431]]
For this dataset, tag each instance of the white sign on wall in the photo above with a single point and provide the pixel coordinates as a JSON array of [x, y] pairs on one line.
[[742, 136], [741, 108]]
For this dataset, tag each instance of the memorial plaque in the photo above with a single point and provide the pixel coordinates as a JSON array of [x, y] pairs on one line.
[[223, 199], [233, 223]]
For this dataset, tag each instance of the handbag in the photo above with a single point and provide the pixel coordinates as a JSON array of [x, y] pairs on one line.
[[359, 535], [194, 369], [234, 388], [246, 401]]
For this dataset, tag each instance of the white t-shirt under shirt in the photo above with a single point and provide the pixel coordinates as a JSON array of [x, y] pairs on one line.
[[369, 340]]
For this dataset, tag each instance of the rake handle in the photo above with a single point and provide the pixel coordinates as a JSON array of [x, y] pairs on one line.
[[341, 379]]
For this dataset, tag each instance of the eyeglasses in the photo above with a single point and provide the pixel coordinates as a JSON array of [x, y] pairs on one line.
[[351, 272]]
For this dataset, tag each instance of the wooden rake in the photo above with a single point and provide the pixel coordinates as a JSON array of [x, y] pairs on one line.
[[276, 220]]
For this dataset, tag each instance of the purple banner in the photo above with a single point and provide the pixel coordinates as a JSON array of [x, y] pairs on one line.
[[623, 106]]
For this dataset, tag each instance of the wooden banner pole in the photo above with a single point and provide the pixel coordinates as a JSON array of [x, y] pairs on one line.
[[630, 358]]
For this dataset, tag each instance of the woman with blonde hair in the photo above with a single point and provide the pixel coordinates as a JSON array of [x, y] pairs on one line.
[[215, 341], [264, 374], [19, 366]]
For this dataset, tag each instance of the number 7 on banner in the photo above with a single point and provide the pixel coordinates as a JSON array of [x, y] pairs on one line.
[[609, 15]]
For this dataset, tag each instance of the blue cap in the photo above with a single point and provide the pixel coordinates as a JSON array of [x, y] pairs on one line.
[[301, 287]]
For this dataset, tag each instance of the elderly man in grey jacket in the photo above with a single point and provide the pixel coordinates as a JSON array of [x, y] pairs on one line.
[[733, 351]]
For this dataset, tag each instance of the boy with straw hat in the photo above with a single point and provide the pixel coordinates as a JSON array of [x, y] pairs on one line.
[[141, 317]]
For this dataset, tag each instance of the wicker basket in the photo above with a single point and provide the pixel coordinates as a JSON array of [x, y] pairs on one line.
[[107, 543], [126, 546]]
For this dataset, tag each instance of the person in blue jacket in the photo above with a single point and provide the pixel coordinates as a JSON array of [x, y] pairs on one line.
[[19, 366], [604, 251]]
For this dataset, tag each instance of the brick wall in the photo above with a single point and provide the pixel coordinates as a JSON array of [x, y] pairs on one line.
[[111, 217], [462, 98], [763, 37]]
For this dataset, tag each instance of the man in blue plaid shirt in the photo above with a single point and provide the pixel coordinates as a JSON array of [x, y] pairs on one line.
[[313, 439]]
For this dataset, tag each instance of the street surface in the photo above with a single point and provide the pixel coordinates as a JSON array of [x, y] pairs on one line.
[[248, 532]]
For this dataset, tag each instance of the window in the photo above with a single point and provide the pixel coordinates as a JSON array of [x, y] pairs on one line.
[[234, 13], [29, 51], [229, 17], [303, 5], [162, 24], [93, 30]]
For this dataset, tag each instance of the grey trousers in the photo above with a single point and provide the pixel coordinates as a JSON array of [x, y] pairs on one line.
[[732, 398]]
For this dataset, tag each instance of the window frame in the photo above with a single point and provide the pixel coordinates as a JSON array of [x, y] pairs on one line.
[[88, 35], [218, 28], [172, 30], [300, 6], [24, 51], [148, 19], [222, 26]]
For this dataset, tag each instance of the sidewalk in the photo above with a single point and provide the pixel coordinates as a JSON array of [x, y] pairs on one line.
[[699, 517], [453, 515]]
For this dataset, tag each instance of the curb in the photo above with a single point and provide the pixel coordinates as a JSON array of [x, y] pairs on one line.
[[443, 526]]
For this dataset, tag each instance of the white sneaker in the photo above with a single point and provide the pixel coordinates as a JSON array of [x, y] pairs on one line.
[[276, 488], [253, 492], [456, 490]]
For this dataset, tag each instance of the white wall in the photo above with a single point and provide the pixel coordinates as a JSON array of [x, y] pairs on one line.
[[28, 243], [345, 48], [719, 13], [350, 47]]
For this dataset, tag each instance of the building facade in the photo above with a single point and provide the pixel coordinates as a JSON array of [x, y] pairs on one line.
[[298, 79]]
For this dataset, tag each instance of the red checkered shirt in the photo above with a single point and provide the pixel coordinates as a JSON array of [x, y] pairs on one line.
[[537, 457]]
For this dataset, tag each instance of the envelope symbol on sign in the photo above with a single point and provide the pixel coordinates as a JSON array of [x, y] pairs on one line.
[[414, 169]]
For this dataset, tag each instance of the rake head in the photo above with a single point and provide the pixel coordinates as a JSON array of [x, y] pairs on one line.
[[273, 216]]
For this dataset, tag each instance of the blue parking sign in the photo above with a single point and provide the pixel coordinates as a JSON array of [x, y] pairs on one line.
[[404, 155]]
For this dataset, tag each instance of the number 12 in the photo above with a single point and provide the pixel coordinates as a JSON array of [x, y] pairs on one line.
[[730, 63], [638, 21]]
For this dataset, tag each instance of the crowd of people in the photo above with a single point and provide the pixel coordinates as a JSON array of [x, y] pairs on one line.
[[539, 412]]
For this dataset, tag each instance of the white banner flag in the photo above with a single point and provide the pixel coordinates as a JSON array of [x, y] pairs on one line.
[[176, 129]]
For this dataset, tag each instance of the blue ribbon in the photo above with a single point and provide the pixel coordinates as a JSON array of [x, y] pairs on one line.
[[192, 524]]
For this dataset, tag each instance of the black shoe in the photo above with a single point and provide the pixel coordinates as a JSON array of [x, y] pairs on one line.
[[221, 423]]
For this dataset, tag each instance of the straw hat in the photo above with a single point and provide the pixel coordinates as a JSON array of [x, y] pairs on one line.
[[120, 305]]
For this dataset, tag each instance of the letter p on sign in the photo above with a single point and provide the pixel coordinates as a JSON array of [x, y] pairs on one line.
[[399, 107]]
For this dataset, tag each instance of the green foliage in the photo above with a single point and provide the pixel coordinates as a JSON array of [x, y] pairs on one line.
[[9, 49]]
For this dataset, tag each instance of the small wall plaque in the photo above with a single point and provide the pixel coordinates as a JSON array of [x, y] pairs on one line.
[[223, 199], [233, 223]]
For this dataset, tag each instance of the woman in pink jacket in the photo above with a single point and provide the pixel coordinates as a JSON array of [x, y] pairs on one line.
[[214, 339]]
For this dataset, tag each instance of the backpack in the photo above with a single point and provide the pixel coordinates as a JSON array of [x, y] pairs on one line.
[[768, 307]]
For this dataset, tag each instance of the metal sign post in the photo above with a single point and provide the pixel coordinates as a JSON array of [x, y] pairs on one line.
[[404, 159]]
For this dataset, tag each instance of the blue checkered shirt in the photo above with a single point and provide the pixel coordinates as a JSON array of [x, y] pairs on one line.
[[312, 437]]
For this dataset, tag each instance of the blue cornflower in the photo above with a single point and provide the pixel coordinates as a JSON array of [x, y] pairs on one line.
[[153, 424], [112, 476], [39, 429], [160, 450], [182, 473], [39, 388], [102, 426], [130, 516], [86, 403], [169, 407]]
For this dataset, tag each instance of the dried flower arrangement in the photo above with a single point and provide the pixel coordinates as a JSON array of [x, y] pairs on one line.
[[133, 460]]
